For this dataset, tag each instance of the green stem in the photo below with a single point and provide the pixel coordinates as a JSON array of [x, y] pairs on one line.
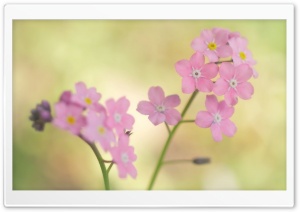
[[219, 62], [187, 121], [189, 104], [107, 161], [168, 128], [171, 134], [177, 161], [102, 165], [109, 168]]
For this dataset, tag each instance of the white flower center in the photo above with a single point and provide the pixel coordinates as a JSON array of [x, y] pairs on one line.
[[124, 158], [117, 117], [233, 83], [160, 108], [217, 118], [196, 73]]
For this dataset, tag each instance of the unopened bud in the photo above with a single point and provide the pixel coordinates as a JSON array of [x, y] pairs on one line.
[[41, 115], [200, 161]]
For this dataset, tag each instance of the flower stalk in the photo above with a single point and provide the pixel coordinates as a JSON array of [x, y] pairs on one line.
[[166, 146], [102, 165]]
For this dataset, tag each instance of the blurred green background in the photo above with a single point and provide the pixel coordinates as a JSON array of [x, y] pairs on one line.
[[125, 58]]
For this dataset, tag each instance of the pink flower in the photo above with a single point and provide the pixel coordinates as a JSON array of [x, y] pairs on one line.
[[230, 34], [117, 114], [66, 97], [196, 74], [233, 83], [213, 44], [85, 97], [217, 118], [241, 55], [69, 117], [123, 156], [160, 108], [97, 130]]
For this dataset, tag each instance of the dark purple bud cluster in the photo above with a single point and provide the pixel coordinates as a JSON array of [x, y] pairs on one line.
[[41, 115]]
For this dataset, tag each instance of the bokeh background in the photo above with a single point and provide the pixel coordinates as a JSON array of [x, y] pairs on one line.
[[125, 58]]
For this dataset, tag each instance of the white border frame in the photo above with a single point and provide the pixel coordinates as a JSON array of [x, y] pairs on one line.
[[14, 198]]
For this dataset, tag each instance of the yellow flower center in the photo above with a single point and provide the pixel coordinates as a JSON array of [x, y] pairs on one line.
[[101, 130], [88, 101], [243, 55], [212, 46], [71, 120]]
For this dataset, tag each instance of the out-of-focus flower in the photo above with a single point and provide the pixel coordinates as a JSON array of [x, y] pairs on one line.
[[240, 53], [66, 97], [69, 117], [118, 117], [41, 115], [213, 44], [216, 118], [233, 83], [196, 74], [97, 130], [85, 97], [123, 156], [160, 108], [229, 34]]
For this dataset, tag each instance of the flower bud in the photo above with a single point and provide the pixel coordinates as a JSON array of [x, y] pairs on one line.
[[200, 161], [41, 115]]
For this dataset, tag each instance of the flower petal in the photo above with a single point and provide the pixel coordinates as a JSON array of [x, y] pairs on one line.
[[156, 95], [60, 109], [224, 51], [188, 85], [245, 90], [204, 85], [122, 171], [242, 43], [199, 45], [110, 105], [243, 72], [172, 116], [127, 121], [212, 55], [237, 60], [221, 87], [157, 118], [231, 97], [211, 104], [130, 152], [221, 37], [233, 44], [209, 70], [249, 58], [80, 88], [216, 132], [228, 127], [172, 101], [225, 110], [227, 71], [255, 73], [204, 119], [197, 60], [145, 108], [207, 35], [92, 93], [132, 170], [183, 68], [122, 105]]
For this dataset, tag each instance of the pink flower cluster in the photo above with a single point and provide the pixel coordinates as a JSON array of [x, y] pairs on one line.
[[83, 115], [229, 67], [230, 78]]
